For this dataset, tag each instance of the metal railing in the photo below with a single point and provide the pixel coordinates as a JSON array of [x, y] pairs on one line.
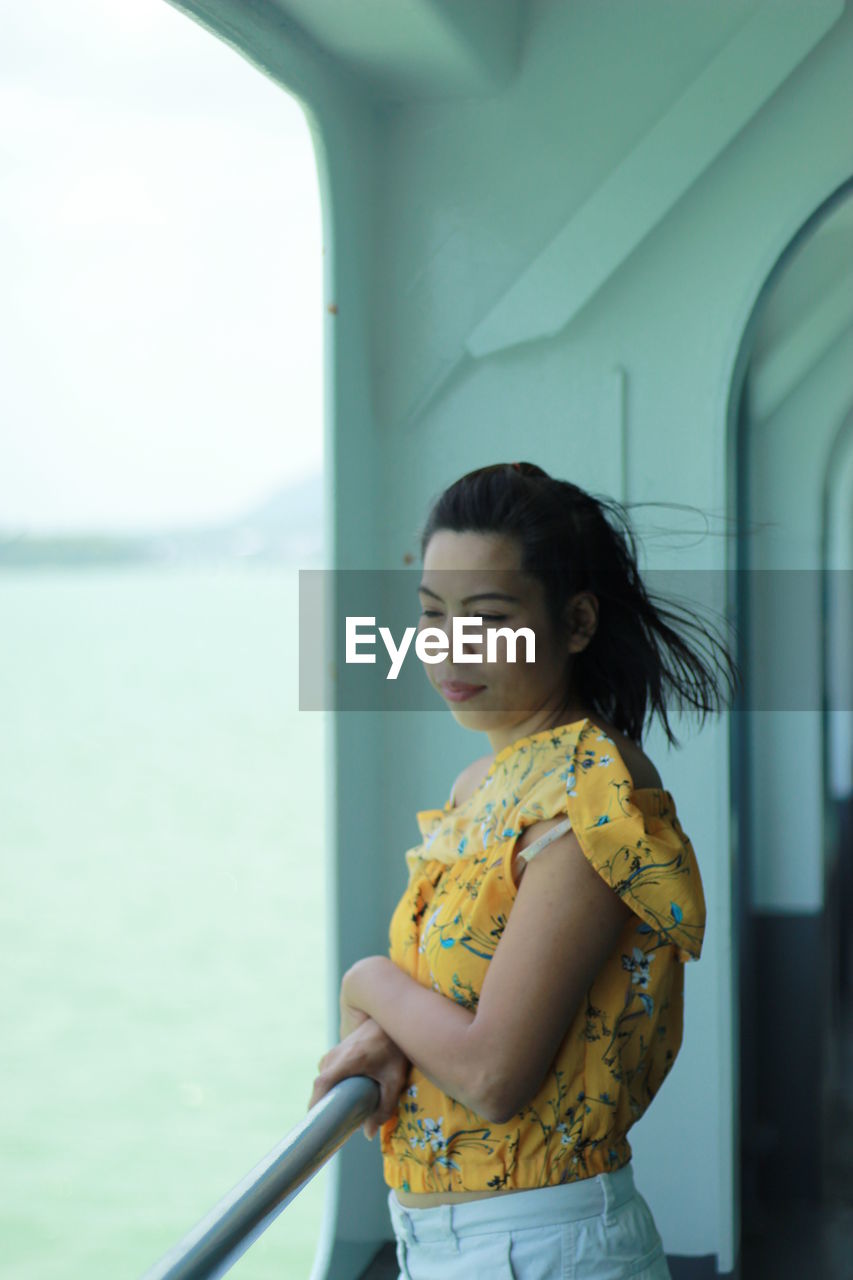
[[223, 1235]]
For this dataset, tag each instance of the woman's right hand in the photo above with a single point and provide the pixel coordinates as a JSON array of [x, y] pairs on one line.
[[366, 1051]]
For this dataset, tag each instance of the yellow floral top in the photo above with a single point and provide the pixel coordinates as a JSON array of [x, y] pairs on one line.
[[624, 1038]]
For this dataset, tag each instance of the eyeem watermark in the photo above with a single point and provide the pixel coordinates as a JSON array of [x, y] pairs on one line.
[[432, 645], [798, 623]]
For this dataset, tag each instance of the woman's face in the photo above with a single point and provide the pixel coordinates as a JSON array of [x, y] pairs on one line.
[[513, 699]]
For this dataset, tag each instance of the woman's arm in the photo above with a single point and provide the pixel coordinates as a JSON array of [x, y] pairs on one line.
[[563, 925], [430, 1028], [366, 1051]]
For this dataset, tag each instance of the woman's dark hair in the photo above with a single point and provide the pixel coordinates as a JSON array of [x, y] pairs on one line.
[[574, 541]]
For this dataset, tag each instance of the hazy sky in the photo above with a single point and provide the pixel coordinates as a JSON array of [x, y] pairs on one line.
[[161, 269]]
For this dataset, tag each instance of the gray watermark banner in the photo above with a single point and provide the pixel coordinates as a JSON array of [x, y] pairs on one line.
[[369, 641]]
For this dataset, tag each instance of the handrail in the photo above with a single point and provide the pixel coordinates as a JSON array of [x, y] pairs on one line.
[[216, 1242]]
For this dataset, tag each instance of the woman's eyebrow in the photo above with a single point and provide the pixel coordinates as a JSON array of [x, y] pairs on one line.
[[480, 595]]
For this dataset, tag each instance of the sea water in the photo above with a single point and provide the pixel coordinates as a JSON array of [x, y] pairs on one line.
[[162, 829]]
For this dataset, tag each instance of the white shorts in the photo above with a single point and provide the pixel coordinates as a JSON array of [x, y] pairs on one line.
[[596, 1229]]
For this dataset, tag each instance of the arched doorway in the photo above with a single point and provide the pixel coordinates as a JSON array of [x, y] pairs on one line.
[[791, 786]]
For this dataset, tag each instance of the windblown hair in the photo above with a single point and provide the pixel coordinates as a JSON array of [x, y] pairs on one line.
[[572, 541]]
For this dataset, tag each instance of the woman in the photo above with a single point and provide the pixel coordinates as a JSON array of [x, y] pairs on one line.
[[530, 1006]]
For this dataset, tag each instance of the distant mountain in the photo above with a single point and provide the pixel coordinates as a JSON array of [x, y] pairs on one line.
[[286, 528], [295, 508]]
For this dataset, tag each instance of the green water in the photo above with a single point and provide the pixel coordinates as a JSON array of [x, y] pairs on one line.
[[161, 833]]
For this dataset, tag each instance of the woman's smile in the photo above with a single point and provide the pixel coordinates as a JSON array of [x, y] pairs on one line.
[[456, 691]]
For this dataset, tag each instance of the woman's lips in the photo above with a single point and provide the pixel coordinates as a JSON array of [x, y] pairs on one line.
[[457, 692]]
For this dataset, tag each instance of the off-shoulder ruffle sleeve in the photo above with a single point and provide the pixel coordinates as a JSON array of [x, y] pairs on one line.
[[632, 838]]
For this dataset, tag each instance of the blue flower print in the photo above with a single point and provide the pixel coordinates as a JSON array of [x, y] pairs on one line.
[[433, 1136], [638, 966], [568, 776], [427, 928], [454, 913]]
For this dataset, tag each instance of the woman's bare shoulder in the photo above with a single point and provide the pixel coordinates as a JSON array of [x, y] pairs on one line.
[[470, 778]]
